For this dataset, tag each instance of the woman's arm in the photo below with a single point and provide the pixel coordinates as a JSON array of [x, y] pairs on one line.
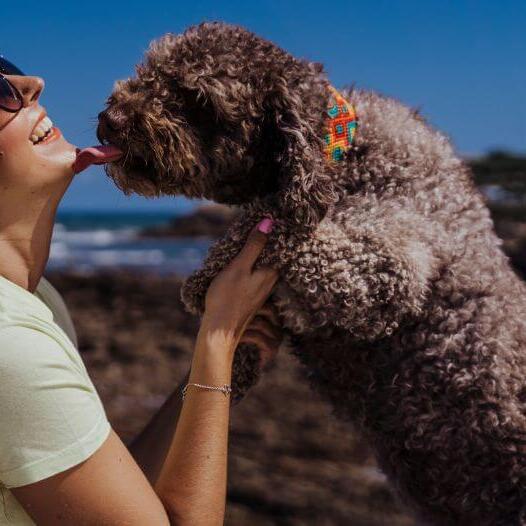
[[110, 488], [150, 447], [192, 482], [193, 478]]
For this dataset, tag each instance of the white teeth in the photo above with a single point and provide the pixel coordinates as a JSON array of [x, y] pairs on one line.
[[41, 130]]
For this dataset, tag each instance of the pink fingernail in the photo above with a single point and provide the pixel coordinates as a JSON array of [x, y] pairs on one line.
[[265, 225]]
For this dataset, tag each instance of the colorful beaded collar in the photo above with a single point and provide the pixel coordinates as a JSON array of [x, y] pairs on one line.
[[341, 125]]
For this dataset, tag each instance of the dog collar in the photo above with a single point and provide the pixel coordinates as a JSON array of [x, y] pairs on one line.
[[341, 125]]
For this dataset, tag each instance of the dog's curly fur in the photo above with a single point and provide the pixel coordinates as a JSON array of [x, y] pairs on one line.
[[393, 286]]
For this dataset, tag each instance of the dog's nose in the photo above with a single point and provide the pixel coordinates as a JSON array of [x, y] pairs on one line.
[[111, 122]]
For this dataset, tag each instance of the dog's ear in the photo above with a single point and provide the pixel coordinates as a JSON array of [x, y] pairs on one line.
[[306, 187]]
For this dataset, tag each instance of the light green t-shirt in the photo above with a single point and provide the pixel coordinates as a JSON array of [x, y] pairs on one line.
[[51, 417]]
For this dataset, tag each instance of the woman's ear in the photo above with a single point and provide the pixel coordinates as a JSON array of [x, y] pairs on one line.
[[306, 188]]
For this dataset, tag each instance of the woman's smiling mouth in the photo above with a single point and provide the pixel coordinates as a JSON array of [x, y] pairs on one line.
[[44, 132]]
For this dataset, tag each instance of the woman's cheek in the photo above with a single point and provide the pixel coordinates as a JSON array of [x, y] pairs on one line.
[[23, 167], [15, 158]]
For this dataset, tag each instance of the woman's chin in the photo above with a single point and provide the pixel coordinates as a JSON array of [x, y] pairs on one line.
[[57, 151]]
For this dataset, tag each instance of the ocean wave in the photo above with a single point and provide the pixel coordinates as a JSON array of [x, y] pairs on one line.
[[89, 243], [177, 256], [97, 237], [62, 258]]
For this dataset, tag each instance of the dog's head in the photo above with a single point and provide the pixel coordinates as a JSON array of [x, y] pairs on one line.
[[220, 113]]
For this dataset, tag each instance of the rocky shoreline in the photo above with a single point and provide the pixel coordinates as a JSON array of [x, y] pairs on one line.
[[209, 220]]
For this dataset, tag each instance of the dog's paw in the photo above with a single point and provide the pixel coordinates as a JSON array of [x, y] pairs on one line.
[[193, 292]]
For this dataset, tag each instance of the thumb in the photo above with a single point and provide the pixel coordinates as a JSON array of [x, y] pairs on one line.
[[255, 242]]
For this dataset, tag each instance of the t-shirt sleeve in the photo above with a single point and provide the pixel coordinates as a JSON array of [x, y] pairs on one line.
[[51, 417]]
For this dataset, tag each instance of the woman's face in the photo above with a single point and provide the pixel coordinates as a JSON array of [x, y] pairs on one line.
[[27, 166]]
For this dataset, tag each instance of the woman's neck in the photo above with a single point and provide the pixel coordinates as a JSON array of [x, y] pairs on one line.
[[25, 240]]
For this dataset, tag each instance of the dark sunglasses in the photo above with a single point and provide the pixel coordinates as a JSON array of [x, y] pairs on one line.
[[10, 98]]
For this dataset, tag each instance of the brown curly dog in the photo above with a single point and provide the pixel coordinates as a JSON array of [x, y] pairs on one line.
[[396, 294]]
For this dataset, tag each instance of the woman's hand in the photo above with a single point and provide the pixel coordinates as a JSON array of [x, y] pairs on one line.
[[264, 331], [239, 291]]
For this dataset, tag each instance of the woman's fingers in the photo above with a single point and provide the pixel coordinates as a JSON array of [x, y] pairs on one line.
[[269, 312], [263, 341], [268, 347], [264, 331], [263, 325], [267, 276], [238, 291], [255, 243]]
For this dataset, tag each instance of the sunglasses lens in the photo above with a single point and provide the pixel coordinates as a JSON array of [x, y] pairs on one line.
[[8, 68], [9, 99]]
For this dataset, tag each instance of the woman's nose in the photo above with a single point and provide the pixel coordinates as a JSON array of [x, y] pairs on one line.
[[29, 87]]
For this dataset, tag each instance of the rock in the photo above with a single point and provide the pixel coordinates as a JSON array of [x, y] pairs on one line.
[[206, 221]]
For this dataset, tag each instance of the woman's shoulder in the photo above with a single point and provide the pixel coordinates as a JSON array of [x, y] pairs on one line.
[[26, 347], [54, 301], [44, 309], [51, 416]]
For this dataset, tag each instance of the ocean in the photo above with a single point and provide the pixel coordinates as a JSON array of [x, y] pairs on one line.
[[92, 241], [89, 241]]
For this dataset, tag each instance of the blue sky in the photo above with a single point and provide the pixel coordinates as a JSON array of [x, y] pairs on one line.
[[461, 62]]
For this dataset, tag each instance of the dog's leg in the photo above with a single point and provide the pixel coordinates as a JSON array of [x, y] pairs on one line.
[[346, 291], [246, 366], [362, 275]]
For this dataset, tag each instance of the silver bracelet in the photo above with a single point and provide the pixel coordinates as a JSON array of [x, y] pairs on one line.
[[225, 389]]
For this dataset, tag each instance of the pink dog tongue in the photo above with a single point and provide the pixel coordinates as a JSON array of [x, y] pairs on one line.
[[95, 155]]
